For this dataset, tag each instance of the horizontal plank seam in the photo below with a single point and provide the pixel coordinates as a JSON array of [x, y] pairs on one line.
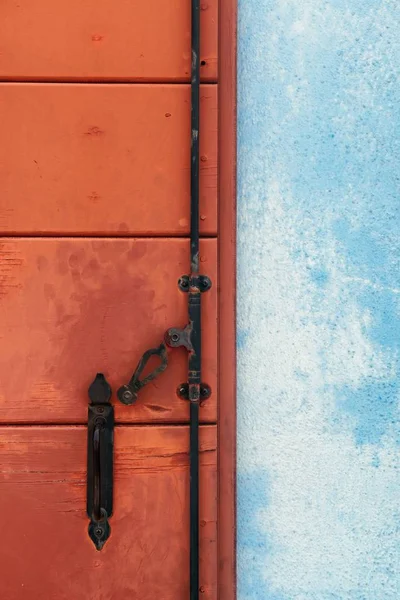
[[105, 82], [82, 425], [89, 236]]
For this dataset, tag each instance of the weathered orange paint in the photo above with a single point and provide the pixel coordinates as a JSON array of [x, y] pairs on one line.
[[45, 551], [73, 307], [104, 40], [227, 589], [94, 160], [103, 159]]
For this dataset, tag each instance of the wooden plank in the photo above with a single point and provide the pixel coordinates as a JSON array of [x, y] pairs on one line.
[[227, 588], [45, 549], [70, 308], [103, 159], [103, 40]]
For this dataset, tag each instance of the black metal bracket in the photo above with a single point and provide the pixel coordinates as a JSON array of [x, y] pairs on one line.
[[175, 338], [100, 461], [202, 282], [183, 392]]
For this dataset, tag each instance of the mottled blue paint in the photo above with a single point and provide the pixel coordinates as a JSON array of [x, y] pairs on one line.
[[319, 300], [255, 542], [319, 276], [374, 406]]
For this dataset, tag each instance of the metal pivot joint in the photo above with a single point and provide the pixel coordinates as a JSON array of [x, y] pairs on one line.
[[100, 461]]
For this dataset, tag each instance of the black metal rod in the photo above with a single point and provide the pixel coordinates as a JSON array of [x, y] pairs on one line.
[[195, 121], [194, 501], [194, 305]]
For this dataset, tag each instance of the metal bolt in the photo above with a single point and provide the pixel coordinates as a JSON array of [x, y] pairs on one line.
[[205, 283], [127, 395], [98, 532], [182, 390], [175, 337], [100, 409]]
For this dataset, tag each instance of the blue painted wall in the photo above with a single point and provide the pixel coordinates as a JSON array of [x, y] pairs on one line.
[[319, 300]]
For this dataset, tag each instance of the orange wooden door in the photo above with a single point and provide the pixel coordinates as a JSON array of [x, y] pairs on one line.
[[94, 223]]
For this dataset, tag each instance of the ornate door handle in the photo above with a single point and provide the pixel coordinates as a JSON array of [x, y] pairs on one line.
[[100, 461]]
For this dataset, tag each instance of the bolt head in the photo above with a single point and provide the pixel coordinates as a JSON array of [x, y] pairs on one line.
[[127, 395]]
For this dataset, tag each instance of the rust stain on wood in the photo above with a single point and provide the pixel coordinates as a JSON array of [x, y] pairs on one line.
[[86, 305]]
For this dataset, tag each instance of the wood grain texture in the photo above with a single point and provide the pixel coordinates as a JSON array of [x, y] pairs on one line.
[[70, 308], [45, 548], [227, 304], [103, 159], [104, 40]]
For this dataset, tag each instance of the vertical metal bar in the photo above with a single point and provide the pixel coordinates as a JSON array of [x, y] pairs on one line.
[[194, 308], [194, 501], [195, 120]]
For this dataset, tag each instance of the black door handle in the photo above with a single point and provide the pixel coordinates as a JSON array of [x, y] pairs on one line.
[[100, 461]]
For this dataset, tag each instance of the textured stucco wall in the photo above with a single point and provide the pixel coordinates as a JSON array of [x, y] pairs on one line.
[[319, 300]]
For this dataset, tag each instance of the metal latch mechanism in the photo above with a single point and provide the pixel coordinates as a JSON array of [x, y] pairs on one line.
[[194, 390], [194, 285], [127, 394], [173, 338], [100, 461]]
